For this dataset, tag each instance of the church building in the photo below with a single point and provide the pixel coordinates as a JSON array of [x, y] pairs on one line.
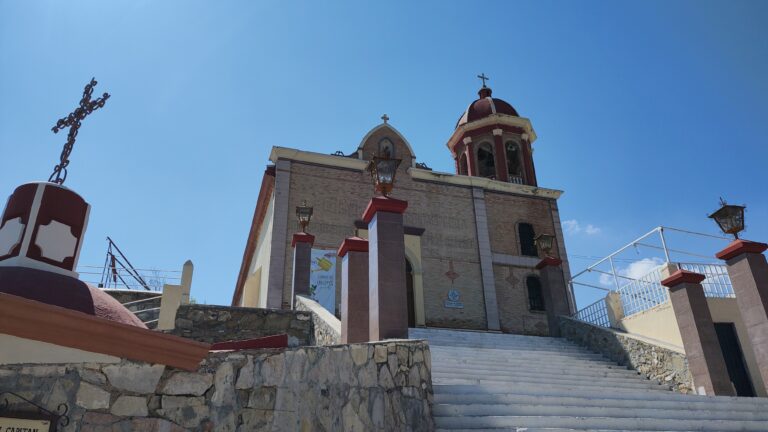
[[469, 236]]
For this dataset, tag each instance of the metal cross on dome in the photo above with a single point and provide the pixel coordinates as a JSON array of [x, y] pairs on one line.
[[73, 121], [484, 78]]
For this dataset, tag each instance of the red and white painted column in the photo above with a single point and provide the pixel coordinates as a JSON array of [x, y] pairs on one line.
[[302, 263], [702, 348], [388, 301], [555, 292], [748, 271], [354, 290]]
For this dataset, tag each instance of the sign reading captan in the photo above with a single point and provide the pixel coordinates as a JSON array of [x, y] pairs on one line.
[[8, 424]]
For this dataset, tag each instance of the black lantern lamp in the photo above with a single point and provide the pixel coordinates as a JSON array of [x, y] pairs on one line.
[[544, 242], [730, 218], [304, 215], [383, 171]]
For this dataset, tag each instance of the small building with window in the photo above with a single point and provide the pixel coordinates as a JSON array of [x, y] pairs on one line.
[[469, 235]]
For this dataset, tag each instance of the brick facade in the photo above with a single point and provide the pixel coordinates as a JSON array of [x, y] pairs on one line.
[[468, 226]]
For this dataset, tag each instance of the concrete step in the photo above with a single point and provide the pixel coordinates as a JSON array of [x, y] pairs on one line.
[[475, 410], [540, 369], [626, 424], [579, 392], [480, 353], [556, 382], [534, 373], [547, 377], [545, 429], [600, 400], [524, 362]]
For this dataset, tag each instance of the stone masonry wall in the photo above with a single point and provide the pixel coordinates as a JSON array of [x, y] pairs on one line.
[[326, 328], [378, 386], [656, 362], [212, 324]]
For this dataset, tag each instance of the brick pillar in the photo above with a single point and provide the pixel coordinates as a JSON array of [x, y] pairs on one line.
[[748, 271], [502, 171], [702, 348], [302, 261], [354, 290], [554, 292], [388, 302]]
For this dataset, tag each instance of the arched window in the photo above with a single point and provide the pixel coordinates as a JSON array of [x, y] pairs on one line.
[[486, 166], [535, 296], [514, 165], [463, 164], [527, 242], [386, 148]]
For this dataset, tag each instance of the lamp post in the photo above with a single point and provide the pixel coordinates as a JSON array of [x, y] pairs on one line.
[[383, 170], [388, 297], [544, 242], [304, 215], [748, 271], [730, 218], [302, 253]]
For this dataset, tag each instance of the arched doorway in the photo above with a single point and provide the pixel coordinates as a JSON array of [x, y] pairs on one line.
[[409, 292]]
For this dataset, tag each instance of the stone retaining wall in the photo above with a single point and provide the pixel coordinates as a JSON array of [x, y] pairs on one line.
[[658, 363], [212, 324], [384, 386], [326, 328]]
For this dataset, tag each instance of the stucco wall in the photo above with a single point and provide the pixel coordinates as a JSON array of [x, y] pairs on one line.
[[660, 323], [15, 350], [255, 290], [377, 386]]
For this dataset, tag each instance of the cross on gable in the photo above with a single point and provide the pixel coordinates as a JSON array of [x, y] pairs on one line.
[[385, 118], [484, 78], [73, 121]]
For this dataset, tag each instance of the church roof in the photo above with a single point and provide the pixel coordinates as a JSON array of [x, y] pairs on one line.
[[485, 106]]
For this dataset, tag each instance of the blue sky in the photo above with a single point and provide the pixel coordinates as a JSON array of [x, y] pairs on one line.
[[646, 112]]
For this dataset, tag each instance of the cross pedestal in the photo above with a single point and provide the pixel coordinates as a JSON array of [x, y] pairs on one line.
[[388, 297], [702, 348], [354, 290], [748, 271], [554, 292], [302, 262]]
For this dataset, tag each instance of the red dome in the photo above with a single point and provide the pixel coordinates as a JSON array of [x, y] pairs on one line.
[[64, 291], [484, 107]]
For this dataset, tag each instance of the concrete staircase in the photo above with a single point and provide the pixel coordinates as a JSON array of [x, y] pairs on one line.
[[501, 382]]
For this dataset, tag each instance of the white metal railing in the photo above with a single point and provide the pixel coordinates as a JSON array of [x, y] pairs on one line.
[[717, 283], [641, 294], [644, 293], [596, 313]]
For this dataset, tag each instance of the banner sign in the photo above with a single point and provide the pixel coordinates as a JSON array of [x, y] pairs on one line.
[[322, 278]]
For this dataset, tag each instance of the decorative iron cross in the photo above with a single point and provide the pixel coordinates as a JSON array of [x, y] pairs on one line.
[[385, 118], [72, 121], [484, 78]]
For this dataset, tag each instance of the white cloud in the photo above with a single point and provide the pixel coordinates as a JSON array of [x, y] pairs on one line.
[[592, 230], [572, 226], [634, 270]]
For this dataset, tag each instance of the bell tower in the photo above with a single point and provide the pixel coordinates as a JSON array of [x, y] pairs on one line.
[[491, 140]]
